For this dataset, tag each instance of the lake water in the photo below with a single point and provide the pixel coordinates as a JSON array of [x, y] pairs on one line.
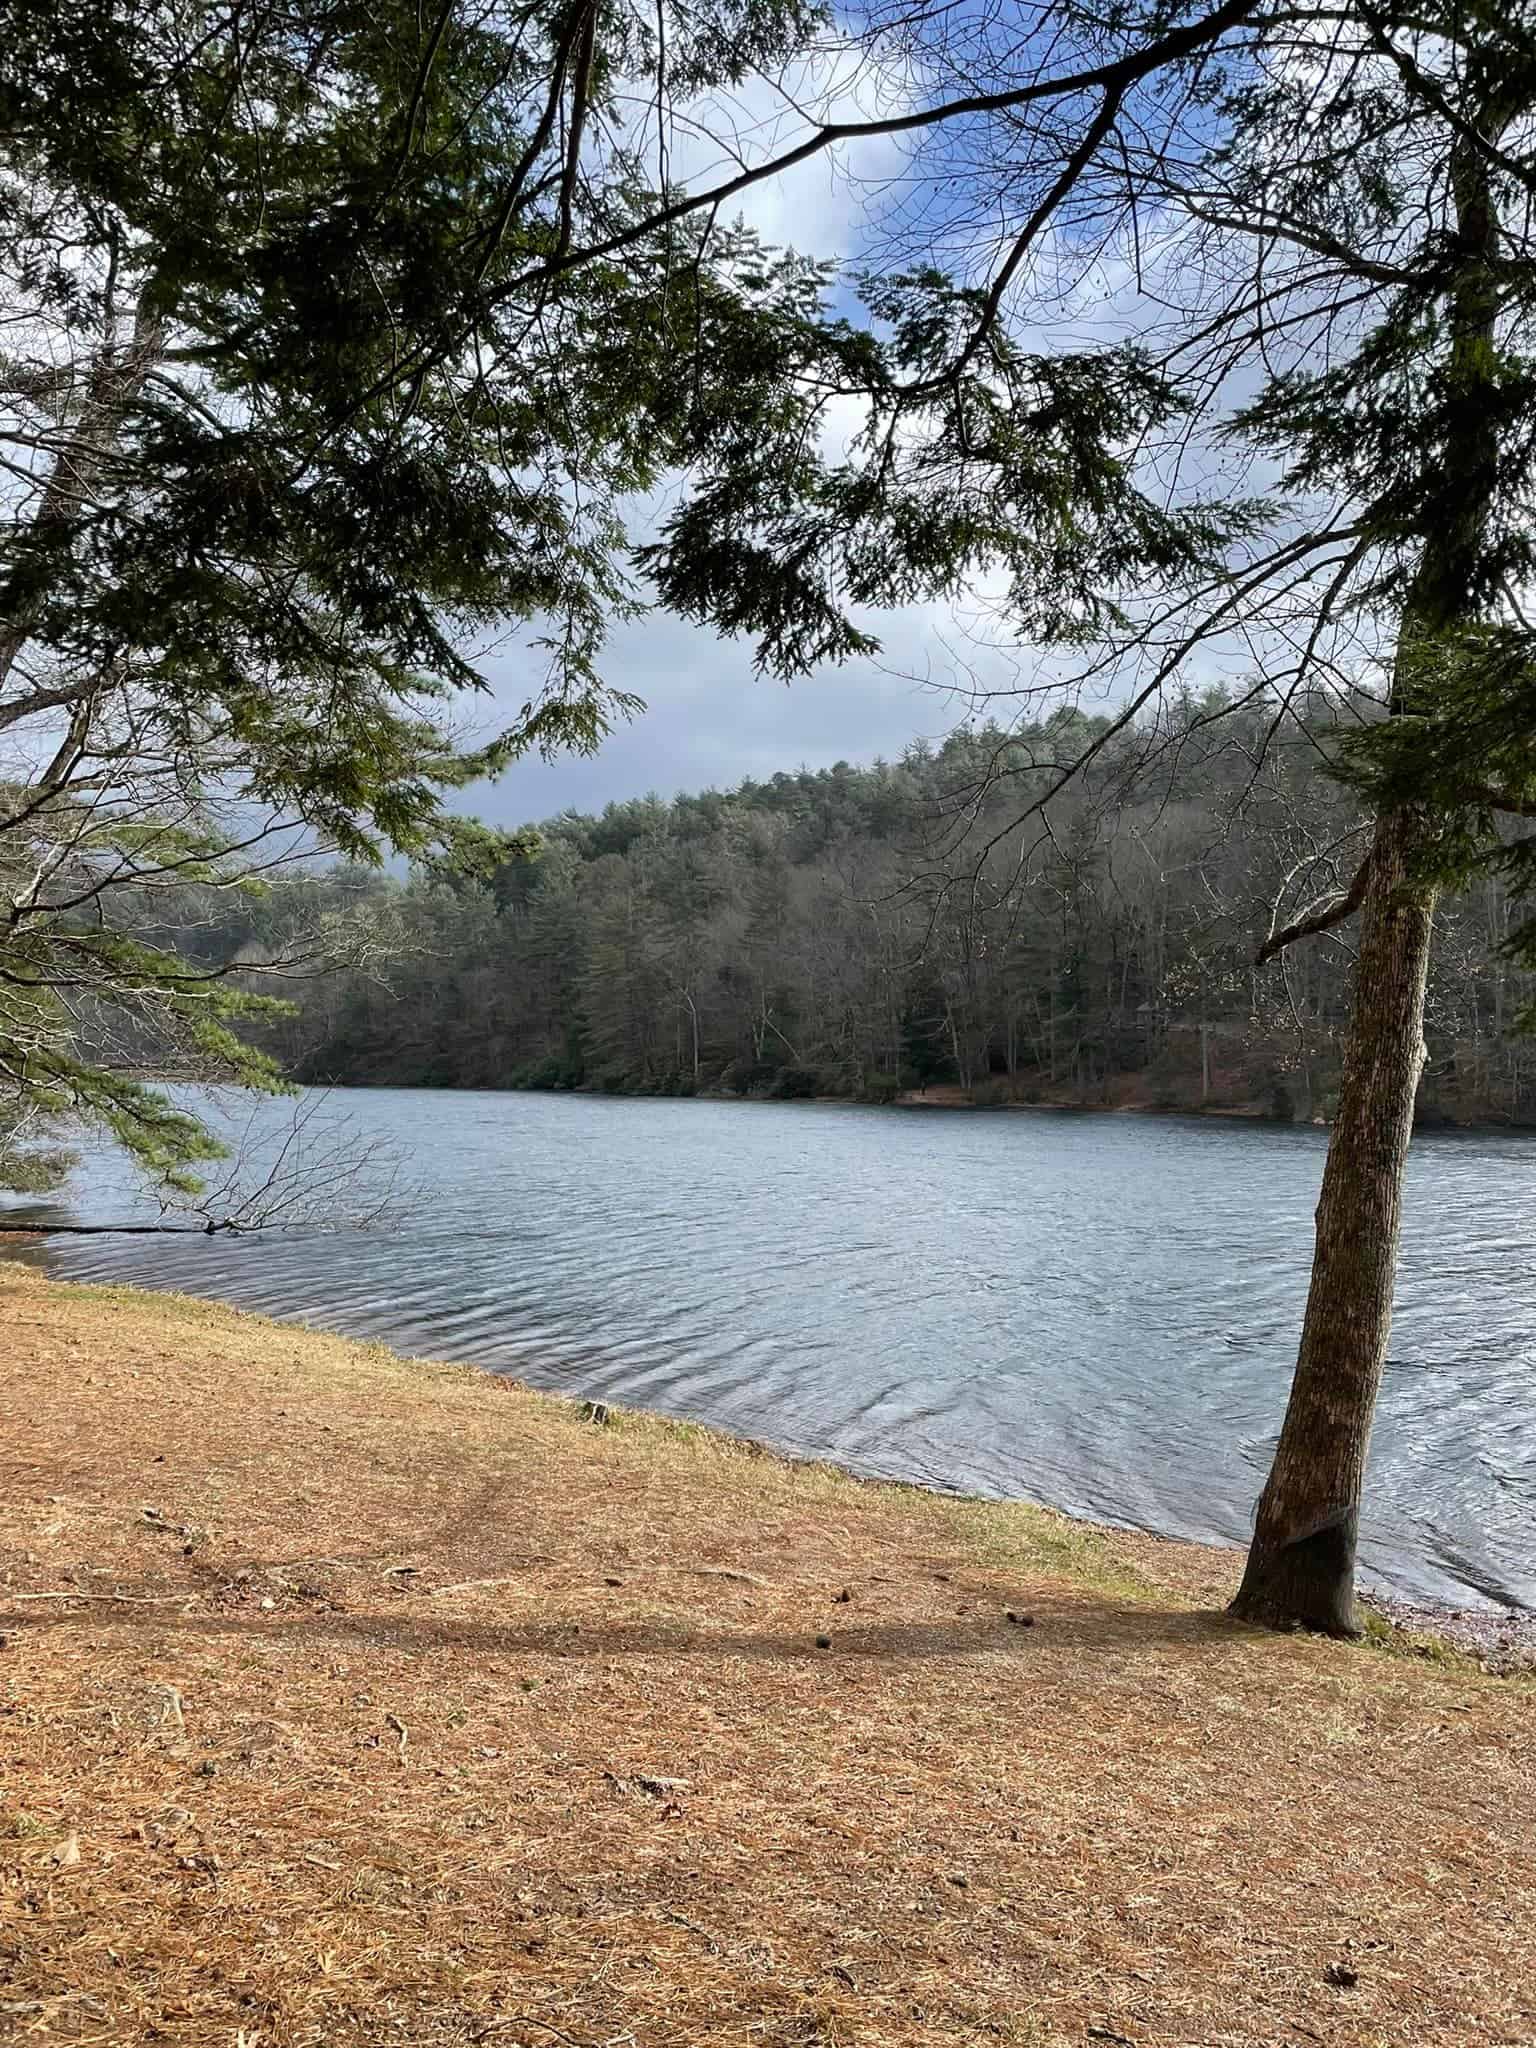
[[1097, 1312]]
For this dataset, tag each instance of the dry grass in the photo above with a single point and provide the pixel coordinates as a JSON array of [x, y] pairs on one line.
[[300, 1784]]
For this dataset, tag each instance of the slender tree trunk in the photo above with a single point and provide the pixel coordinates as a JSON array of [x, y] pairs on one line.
[[1301, 1565]]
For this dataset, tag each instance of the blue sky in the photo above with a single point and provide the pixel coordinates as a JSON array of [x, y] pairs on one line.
[[709, 719]]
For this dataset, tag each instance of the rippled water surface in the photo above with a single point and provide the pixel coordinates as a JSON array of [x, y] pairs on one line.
[[1098, 1312]]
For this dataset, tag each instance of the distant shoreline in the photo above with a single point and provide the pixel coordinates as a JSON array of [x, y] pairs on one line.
[[945, 1096]]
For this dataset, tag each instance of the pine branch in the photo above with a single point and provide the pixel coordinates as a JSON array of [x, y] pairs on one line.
[[1501, 800]]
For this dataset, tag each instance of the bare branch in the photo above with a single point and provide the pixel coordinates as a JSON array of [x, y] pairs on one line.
[[1334, 910]]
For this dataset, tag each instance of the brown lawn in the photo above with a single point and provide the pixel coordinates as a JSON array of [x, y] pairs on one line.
[[386, 1704]]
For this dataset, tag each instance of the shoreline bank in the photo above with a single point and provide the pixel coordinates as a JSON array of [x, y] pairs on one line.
[[350, 1697], [1501, 1639]]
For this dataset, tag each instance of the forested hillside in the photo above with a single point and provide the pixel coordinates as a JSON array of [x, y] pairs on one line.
[[924, 924]]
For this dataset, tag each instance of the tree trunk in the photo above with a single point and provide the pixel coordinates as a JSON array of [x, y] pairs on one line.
[[1300, 1570], [1301, 1566]]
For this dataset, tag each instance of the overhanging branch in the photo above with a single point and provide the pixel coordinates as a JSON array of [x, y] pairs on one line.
[[1322, 917], [1502, 800]]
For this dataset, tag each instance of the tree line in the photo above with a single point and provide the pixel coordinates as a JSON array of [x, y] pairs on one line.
[[872, 932]]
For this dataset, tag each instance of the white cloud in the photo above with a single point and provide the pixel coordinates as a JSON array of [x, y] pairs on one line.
[[709, 719], [819, 206]]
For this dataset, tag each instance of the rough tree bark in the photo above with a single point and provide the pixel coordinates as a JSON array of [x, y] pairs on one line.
[[1301, 1566]]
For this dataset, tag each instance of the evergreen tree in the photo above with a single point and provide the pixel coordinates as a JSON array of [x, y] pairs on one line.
[[286, 432]]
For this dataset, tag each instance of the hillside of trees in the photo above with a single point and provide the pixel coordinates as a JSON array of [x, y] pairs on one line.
[[937, 924]]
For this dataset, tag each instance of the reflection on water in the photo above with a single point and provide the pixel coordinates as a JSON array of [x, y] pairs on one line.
[[1097, 1312]]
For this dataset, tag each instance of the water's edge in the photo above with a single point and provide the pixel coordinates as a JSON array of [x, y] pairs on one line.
[[1096, 1312], [1504, 1640]]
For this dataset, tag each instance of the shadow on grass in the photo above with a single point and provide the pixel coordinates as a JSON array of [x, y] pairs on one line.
[[1067, 1630]]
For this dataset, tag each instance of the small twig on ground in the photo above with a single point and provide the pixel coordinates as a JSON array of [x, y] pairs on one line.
[[527, 2019], [506, 1579], [693, 1927], [340, 1564], [701, 1571], [125, 1599]]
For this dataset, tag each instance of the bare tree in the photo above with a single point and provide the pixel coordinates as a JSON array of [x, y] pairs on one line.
[[302, 1167]]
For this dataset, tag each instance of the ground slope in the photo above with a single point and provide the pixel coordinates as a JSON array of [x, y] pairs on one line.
[[390, 1705]]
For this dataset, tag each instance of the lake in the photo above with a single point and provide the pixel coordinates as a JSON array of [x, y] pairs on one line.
[[1096, 1312]]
